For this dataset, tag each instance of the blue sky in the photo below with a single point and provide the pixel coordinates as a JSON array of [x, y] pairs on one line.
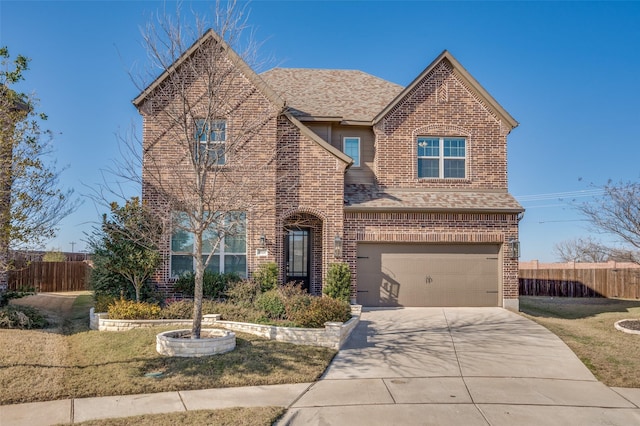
[[567, 71]]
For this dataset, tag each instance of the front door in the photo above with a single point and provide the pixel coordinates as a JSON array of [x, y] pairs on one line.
[[298, 258]]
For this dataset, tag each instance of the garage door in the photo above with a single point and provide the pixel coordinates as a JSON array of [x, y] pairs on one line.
[[428, 275]]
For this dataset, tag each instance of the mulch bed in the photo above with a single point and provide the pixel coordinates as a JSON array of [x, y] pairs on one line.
[[630, 324]]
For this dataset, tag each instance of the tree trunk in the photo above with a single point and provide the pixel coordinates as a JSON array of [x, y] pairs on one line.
[[198, 289]]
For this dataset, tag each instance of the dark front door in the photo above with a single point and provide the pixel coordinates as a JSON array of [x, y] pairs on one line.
[[298, 258]]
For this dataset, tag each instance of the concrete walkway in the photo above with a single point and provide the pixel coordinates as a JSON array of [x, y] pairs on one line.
[[414, 366]]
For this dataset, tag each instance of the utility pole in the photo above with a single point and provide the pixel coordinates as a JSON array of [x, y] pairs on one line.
[[73, 243]]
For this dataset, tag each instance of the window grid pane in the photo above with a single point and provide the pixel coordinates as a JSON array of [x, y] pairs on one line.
[[451, 152]]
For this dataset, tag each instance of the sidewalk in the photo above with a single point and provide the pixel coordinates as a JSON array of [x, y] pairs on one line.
[[83, 409]]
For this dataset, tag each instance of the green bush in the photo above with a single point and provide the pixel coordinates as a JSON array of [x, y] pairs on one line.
[[338, 282], [243, 293], [101, 302], [181, 309], [129, 309], [267, 276], [213, 284], [272, 303], [321, 310], [22, 317], [12, 294]]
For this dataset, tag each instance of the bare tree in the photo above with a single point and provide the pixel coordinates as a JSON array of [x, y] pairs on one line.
[[31, 202], [581, 250], [208, 154], [617, 212]]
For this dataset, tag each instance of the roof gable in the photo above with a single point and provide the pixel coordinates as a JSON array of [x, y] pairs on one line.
[[462, 73], [231, 55]]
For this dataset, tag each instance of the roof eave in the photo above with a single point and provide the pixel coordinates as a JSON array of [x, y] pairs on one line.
[[317, 139], [356, 208]]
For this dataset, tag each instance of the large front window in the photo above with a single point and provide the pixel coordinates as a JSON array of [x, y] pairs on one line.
[[211, 136], [442, 158], [227, 240]]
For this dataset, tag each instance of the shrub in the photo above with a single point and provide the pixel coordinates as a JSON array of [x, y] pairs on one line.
[[243, 293], [338, 282], [272, 303], [213, 283], [129, 309], [23, 317], [101, 302], [12, 294], [182, 309], [321, 310], [267, 276]]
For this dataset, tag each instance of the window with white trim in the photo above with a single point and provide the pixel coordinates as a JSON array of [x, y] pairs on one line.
[[442, 158], [229, 256], [351, 147], [211, 136]]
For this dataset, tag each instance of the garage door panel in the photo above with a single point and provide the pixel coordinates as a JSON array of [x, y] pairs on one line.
[[427, 275]]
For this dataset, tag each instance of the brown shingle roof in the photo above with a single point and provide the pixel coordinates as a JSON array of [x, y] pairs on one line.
[[346, 94], [365, 197]]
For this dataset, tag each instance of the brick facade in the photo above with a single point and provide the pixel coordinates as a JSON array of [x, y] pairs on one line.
[[295, 177]]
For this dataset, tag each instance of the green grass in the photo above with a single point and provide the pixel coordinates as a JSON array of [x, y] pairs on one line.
[[586, 325]]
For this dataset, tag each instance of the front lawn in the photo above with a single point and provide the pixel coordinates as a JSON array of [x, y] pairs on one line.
[[586, 325], [41, 365]]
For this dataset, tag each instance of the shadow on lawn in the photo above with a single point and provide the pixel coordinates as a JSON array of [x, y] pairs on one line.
[[576, 307]]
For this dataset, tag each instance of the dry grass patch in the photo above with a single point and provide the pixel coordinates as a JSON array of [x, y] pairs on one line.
[[587, 327], [261, 416], [39, 366]]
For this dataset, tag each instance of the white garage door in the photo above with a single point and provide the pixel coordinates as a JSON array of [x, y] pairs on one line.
[[428, 275]]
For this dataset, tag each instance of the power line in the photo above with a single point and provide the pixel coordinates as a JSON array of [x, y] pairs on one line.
[[555, 195]]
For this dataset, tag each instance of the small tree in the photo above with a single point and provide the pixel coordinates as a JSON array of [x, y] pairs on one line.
[[126, 243], [54, 256], [617, 212], [338, 282], [31, 203]]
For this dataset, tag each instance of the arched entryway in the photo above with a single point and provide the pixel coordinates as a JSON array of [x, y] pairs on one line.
[[303, 247]]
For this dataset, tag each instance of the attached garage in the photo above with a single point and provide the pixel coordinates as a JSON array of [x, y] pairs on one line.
[[428, 275]]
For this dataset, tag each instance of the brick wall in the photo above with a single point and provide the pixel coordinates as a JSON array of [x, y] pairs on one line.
[[310, 191], [441, 105], [434, 228]]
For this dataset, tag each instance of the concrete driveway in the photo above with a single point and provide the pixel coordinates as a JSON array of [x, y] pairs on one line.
[[454, 366]]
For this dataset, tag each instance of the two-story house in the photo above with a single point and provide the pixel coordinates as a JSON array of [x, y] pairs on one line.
[[408, 185]]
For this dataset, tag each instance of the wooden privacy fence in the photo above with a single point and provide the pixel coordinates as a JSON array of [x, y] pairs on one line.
[[50, 276], [611, 279]]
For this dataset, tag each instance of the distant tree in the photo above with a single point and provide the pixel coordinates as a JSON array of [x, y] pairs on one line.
[[31, 202], [54, 256], [581, 250], [617, 212], [127, 244]]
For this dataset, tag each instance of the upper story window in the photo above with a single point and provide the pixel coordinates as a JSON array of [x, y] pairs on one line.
[[351, 147], [211, 136], [442, 158]]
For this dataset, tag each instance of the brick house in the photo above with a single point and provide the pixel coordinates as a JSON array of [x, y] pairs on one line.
[[408, 185]]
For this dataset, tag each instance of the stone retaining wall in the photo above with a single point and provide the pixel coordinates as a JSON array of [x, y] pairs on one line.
[[333, 335]]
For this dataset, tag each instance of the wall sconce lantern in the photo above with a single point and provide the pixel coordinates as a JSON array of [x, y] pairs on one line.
[[514, 248], [337, 247], [263, 241]]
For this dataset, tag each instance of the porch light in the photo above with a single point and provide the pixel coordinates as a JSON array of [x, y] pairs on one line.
[[514, 248], [263, 241], [337, 247]]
